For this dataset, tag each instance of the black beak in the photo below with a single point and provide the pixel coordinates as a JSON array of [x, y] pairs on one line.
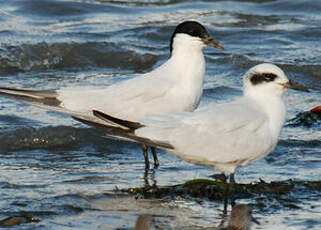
[[212, 42], [296, 86]]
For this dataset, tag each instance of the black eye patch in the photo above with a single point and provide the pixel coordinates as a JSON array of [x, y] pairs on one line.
[[265, 77]]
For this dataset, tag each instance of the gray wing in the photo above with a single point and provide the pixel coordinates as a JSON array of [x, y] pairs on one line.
[[219, 133]]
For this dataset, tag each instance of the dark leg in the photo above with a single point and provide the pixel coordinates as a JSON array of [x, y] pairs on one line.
[[145, 153], [149, 175], [226, 188], [146, 178], [156, 162], [232, 188], [152, 178], [223, 178]]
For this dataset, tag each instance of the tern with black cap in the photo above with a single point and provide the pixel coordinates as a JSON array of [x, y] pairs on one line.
[[175, 86]]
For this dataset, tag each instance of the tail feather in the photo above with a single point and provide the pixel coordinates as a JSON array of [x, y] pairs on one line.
[[31, 96], [45, 100], [29, 93], [41, 99]]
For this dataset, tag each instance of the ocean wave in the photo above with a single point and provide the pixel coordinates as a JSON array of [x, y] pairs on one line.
[[54, 138], [49, 8], [28, 138], [45, 56], [310, 74], [300, 143]]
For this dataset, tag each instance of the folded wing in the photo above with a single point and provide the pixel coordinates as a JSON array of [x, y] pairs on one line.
[[216, 133]]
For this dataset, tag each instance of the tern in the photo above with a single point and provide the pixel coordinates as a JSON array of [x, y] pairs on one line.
[[175, 86], [222, 136]]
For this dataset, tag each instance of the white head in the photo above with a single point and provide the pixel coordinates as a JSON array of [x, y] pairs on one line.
[[191, 35], [268, 80]]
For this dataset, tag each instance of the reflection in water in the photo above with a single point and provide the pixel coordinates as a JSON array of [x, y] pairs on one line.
[[144, 222], [151, 176], [240, 219]]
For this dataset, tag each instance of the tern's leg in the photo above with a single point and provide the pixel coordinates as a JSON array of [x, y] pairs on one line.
[[147, 185], [145, 153], [223, 178], [149, 175], [226, 189], [156, 162], [232, 188]]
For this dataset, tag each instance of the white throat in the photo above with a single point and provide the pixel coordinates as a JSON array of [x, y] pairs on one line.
[[273, 106], [187, 57], [185, 69], [186, 43]]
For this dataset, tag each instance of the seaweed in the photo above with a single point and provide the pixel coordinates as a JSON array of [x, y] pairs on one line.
[[286, 192]]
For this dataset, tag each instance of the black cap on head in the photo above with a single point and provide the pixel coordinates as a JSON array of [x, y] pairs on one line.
[[195, 29]]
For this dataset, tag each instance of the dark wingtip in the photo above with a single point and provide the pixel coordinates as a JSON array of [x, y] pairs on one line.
[[87, 122], [128, 124]]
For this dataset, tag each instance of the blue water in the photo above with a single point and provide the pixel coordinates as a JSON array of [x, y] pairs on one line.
[[65, 173]]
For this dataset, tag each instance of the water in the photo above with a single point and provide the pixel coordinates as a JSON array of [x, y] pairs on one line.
[[65, 174]]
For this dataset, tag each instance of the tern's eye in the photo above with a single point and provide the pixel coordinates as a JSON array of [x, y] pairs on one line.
[[265, 77], [196, 32], [269, 76]]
